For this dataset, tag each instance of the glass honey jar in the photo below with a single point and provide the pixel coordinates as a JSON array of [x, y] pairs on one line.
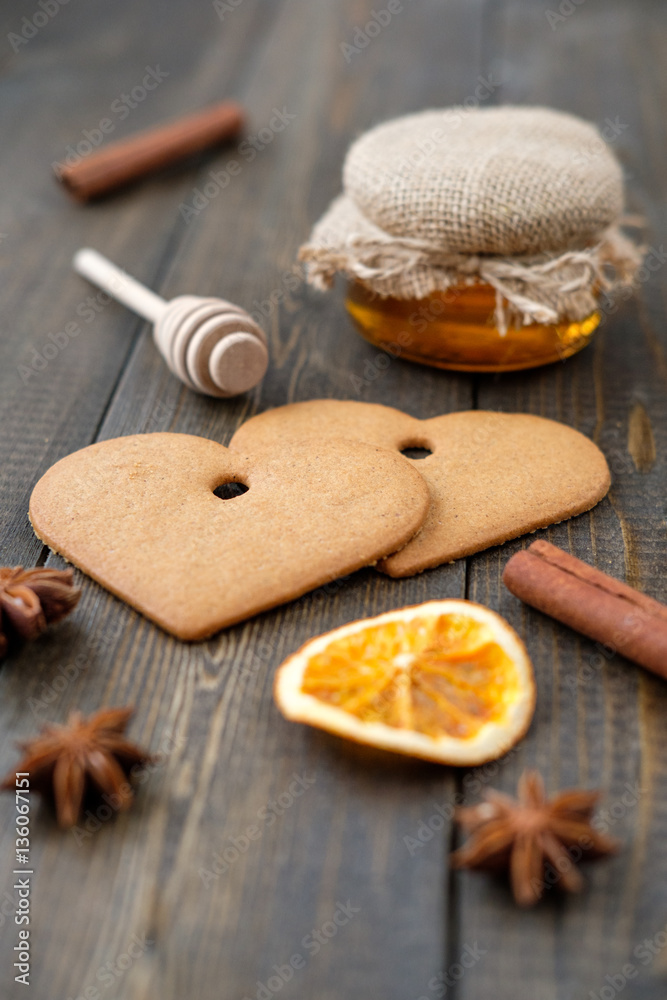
[[457, 329], [477, 239]]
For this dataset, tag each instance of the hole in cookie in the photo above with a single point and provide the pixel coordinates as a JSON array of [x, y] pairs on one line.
[[227, 491], [416, 451]]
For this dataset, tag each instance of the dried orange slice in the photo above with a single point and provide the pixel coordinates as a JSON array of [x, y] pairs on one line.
[[448, 681]]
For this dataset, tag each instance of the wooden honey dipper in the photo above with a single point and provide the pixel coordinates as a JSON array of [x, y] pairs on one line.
[[212, 345]]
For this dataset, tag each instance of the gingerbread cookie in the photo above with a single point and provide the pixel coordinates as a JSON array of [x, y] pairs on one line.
[[139, 514], [491, 476]]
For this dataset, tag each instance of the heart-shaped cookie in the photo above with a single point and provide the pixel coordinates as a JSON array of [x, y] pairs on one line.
[[139, 514], [491, 476]]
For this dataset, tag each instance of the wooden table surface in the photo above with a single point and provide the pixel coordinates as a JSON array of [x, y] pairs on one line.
[[134, 909]]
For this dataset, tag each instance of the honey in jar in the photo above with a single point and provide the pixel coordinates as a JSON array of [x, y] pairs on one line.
[[477, 239], [457, 329]]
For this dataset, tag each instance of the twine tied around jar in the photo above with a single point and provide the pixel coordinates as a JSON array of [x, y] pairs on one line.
[[528, 200]]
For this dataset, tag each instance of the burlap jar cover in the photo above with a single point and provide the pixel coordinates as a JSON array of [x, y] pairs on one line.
[[527, 200]]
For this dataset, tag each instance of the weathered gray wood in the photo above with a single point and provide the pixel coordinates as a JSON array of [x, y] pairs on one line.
[[61, 83], [343, 839], [598, 720], [228, 754]]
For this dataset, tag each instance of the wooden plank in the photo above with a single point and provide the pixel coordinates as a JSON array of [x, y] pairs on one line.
[[61, 354], [60, 408], [370, 879], [598, 719], [230, 754]]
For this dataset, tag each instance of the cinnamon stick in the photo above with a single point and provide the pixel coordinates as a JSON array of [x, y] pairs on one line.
[[145, 152], [600, 607]]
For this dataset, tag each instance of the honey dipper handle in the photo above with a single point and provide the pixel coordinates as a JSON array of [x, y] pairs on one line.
[[101, 272]]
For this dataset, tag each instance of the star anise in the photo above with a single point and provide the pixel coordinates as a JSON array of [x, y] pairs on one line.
[[539, 840], [67, 763], [31, 599]]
